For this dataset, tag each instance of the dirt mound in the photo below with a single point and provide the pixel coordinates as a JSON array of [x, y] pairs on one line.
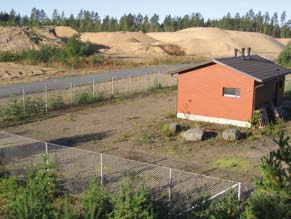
[[120, 42], [65, 32], [19, 38], [284, 41], [215, 42]]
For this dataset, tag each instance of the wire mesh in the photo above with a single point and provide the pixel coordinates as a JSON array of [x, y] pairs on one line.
[[176, 189]]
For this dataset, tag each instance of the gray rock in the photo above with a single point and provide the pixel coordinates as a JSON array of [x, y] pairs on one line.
[[231, 134], [195, 134], [174, 128]]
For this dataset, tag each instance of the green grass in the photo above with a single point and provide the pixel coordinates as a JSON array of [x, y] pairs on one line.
[[229, 163]]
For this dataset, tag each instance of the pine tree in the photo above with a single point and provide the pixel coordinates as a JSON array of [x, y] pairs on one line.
[[271, 197]]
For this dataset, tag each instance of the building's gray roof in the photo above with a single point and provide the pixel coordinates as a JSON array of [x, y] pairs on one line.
[[257, 67]]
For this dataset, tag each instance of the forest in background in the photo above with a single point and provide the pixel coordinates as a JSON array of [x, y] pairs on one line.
[[276, 25]]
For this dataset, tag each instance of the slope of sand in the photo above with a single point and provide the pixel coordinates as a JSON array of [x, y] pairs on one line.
[[122, 42], [19, 38], [284, 41], [65, 32], [215, 42]]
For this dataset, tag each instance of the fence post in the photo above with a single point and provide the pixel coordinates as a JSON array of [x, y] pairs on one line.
[[71, 90], [93, 90], [46, 100], [112, 86], [23, 101], [101, 168], [130, 84], [170, 190], [158, 80], [46, 153], [239, 191], [145, 81]]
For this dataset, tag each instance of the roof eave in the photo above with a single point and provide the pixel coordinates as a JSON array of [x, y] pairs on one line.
[[190, 68]]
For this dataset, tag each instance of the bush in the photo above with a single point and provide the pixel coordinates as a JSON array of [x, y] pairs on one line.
[[7, 188], [285, 56], [271, 197], [273, 129], [129, 205], [9, 56], [255, 118], [95, 202], [56, 103], [82, 98], [167, 131], [146, 138], [14, 110], [96, 60], [65, 208], [34, 199], [34, 105]]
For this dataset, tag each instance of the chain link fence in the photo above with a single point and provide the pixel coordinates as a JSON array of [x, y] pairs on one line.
[[28, 101], [175, 188]]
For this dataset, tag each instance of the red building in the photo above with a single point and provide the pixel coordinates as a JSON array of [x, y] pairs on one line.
[[228, 90]]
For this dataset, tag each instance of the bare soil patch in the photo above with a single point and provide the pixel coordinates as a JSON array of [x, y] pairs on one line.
[[132, 129]]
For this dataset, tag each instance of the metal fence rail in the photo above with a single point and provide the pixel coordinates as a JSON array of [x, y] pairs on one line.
[[175, 188]]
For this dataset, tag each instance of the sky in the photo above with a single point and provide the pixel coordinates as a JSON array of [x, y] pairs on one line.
[[116, 8]]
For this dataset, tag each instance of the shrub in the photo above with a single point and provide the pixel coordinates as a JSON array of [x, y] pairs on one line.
[[9, 56], [14, 110], [255, 118], [97, 60], [82, 98], [56, 102], [133, 205], [285, 56], [34, 199], [7, 188], [271, 197], [273, 129], [65, 208], [167, 131], [34, 105], [95, 202], [146, 138]]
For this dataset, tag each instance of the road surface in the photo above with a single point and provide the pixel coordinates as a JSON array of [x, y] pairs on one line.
[[63, 83]]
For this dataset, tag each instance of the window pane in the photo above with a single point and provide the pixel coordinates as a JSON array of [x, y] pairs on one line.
[[235, 92]]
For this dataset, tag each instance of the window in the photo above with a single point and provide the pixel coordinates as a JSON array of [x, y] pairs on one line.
[[231, 92]]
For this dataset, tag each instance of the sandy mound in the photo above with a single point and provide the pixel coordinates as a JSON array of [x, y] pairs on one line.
[[19, 38], [284, 41], [215, 42], [121, 42], [65, 32]]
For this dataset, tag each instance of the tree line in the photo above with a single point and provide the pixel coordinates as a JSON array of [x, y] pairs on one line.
[[274, 25]]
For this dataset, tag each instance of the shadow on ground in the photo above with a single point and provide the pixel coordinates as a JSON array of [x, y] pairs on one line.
[[77, 139]]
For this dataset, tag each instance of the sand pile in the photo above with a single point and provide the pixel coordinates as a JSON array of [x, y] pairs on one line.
[[284, 41], [19, 38], [215, 42], [64, 32], [122, 42]]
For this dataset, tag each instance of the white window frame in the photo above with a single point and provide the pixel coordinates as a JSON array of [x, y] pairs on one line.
[[230, 95]]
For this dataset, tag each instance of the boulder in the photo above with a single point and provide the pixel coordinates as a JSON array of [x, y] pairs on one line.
[[231, 134], [195, 134]]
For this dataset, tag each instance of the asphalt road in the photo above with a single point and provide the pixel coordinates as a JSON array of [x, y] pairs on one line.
[[63, 83]]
